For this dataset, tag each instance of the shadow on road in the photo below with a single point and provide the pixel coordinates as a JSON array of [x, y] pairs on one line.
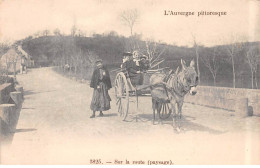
[[110, 115], [28, 108], [25, 130], [7, 138], [29, 92], [187, 124]]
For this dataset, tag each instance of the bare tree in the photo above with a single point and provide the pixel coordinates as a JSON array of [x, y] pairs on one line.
[[12, 60], [91, 57], [154, 53], [37, 34], [81, 33], [4, 47], [233, 49], [2, 72], [73, 30], [196, 47], [77, 60], [212, 62], [253, 57], [45, 32], [130, 18], [56, 32]]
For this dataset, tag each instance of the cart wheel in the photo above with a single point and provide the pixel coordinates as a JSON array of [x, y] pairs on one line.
[[165, 111], [122, 95]]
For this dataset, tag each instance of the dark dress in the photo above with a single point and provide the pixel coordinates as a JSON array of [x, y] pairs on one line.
[[132, 68], [144, 65], [124, 66], [101, 83]]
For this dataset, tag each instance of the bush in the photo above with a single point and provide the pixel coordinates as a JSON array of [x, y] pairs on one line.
[[6, 79]]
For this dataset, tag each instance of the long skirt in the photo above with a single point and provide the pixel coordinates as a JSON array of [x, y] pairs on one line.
[[100, 99]]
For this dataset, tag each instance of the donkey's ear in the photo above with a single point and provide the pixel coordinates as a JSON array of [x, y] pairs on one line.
[[183, 64], [192, 63], [170, 72], [177, 71]]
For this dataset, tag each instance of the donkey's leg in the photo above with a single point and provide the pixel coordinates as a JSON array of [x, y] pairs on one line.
[[179, 106], [173, 107], [154, 108], [159, 109]]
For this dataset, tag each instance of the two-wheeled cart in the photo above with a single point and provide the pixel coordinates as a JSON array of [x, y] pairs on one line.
[[127, 96]]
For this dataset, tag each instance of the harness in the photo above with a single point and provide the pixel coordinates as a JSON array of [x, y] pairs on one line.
[[171, 89]]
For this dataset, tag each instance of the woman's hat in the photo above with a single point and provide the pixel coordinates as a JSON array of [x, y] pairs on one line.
[[99, 61], [135, 54]]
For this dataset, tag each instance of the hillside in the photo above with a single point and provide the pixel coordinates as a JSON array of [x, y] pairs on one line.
[[48, 50], [109, 48]]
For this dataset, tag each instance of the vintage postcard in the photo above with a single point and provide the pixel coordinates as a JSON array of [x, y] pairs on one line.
[[140, 82]]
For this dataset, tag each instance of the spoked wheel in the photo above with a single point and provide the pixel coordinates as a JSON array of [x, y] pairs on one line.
[[165, 110], [122, 95]]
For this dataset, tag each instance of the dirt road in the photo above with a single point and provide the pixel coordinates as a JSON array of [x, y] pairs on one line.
[[55, 128]]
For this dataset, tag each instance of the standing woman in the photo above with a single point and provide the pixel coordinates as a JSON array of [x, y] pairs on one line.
[[101, 83]]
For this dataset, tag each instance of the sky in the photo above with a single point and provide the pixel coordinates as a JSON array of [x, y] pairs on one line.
[[21, 18]]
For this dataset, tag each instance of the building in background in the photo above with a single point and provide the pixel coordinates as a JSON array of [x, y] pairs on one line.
[[16, 60]]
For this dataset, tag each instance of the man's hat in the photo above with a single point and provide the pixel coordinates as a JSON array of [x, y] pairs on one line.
[[127, 54]]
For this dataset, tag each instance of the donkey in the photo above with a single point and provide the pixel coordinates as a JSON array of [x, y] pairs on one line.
[[176, 86]]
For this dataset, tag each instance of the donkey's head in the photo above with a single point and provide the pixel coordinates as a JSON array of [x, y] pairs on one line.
[[189, 77]]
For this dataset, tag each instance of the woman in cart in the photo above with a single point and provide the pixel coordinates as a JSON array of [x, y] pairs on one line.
[[101, 83], [135, 67]]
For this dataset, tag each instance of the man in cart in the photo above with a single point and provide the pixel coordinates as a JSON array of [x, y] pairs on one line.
[[126, 58]]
